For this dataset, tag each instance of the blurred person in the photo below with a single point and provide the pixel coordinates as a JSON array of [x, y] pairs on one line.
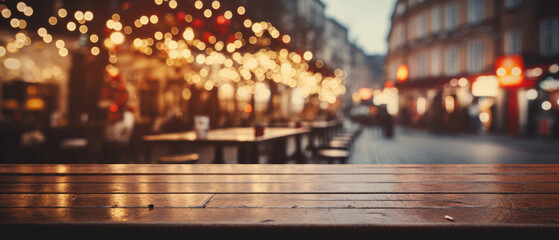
[[386, 122]]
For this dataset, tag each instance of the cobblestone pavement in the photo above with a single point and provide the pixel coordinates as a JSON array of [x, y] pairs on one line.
[[417, 147]]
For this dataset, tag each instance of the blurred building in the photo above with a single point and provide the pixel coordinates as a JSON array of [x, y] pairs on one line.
[[476, 64]]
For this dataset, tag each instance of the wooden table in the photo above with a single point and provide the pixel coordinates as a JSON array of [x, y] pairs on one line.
[[242, 138], [280, 201], [322, 131]]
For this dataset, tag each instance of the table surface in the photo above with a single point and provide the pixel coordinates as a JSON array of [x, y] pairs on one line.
[[380, 200], [228, 135]]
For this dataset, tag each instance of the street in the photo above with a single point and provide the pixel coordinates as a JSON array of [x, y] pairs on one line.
[[418, 147]]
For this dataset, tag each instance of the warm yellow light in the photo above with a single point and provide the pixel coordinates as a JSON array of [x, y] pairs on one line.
[[256, 28], [2, 51], [63, 52], [207, 13], [53, 21], [88, 16], [14, 22], [198, 4], [188, 34], [42, 32], [516, 71], [128, 30], [117, 38], [216, 4], [78, 15], [12, 63], [308, 55], [47, 38], [402, 73], [286, 38], [62, 13], [247, 23], [228, 14], [200, 59], [93, 38], [95, 51], [153, 19], [241, 10], [173, 4], [83, 29], [144, 20], [21, 6], [59, 43], [501, 72], [22, 24], [71, 26], [6, 13], [28, 11], [158, 2], [117, 26]]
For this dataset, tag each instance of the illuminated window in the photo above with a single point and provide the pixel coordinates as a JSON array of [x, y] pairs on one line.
[[475, 57], [436, 20], [513, 4], [549, 37], [513, 41], [451, 17], [475, 11], [451, 61]]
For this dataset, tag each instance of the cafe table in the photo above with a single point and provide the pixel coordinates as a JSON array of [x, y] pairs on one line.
[[243, 139], [266, 201]]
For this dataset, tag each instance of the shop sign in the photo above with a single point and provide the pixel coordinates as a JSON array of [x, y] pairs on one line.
[[510, 70], [550, 84]]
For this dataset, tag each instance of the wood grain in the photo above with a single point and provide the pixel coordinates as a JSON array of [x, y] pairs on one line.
[[309, 201]]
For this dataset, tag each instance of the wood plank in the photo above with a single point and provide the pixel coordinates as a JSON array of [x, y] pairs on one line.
[[294, 188], [356, 178], [199, 169], [374, 201], [296, 216], [103, 200], [280, 200]]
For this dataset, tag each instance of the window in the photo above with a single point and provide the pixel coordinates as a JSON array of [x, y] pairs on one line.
[[400, 35], [513, 42], [475, 11], [422, 65], [549, 37], [435, 63], [436, 20], [451, 61], [513, 4], [475, 57], [421, 26], [451, 17]]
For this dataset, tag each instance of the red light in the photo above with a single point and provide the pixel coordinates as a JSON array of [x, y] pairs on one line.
[[113, 108], [221, 20], [510, 70], [198, 22], [181, 16]]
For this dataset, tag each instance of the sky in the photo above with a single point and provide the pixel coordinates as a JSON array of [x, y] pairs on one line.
[[368, 21]]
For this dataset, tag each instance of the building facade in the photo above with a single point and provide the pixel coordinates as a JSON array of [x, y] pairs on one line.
[[475, 65]]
